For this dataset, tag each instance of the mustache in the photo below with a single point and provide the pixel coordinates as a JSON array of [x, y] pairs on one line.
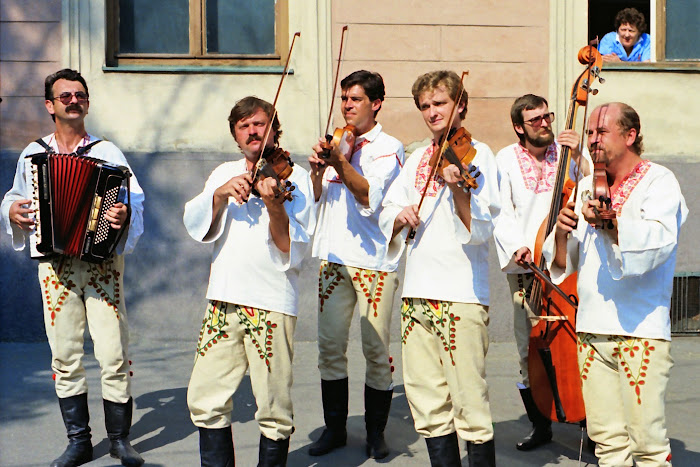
[[252, 138], [75, 107]]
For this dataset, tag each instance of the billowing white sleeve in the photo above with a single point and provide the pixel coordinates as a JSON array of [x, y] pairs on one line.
[[301, 211], [379, 173], [647, 242], [20, 190], [485, 203]]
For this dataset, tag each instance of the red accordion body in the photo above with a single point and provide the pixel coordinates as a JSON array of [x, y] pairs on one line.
[[70, 196]]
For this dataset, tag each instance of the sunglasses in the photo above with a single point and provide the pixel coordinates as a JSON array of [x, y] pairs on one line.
[[67, 97], [537, 121]]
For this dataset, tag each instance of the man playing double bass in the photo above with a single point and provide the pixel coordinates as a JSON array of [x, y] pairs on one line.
[[625, 281], [259, 243], [445, 291], [349, 189], [527, 171]]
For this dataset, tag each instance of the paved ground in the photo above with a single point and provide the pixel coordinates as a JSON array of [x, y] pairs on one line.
[[32, 434]]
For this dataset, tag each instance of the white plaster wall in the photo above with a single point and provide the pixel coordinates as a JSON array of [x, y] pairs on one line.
[[188, 112]]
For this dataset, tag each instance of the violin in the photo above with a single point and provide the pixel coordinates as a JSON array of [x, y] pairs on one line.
[[553, 351], [459, 152], [276, 163], [343, 139], [601, 192]]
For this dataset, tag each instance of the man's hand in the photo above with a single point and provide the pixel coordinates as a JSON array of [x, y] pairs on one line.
[[269, 193], [523, 257], [238, 187], [407, 217], [116, 215], [572, 139], [567, 220], [18, 214]]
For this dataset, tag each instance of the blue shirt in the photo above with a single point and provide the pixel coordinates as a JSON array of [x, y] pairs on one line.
[[610, 44]]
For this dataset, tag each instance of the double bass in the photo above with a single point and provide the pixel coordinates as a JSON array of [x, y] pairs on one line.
[[552, 357]]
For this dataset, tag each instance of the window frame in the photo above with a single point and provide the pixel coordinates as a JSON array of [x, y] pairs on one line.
[[197, 56]]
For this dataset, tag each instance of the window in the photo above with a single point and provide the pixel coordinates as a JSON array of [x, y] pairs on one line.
[[197, 32], [672, 25]]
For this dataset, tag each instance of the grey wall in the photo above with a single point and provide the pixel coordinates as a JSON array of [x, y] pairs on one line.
[[166, 276]]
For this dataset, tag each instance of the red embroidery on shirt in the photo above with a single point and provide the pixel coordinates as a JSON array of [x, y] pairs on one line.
[[423, 172], [628, 184], [534, 181]]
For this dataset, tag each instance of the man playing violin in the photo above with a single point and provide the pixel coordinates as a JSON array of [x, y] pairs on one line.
[[348, 189], [625, 281], [259, 243], [527, 172], [446, 291]]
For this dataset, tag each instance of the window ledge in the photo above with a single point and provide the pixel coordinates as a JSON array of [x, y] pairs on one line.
[[683, 67], [185, 69]]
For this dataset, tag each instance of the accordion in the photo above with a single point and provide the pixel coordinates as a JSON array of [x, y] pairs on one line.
[[71, 194]]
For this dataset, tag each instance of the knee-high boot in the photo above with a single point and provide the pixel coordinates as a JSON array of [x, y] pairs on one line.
[[216, 447], [377, 406], [541, 426], [444, 451], [76, 417], [118, 423], [273, 453], [335, 413]]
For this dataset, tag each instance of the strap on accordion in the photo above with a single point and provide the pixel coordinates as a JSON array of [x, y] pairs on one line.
[[78, 152]]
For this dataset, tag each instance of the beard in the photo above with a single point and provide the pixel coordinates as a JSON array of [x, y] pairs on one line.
[[544, 139]]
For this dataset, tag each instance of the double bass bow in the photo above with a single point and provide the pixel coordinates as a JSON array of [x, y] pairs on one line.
[[455, 148], [552, 356], [275, 162]]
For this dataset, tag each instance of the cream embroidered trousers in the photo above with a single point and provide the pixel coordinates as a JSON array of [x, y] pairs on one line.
[[234, 339], [522, 315], [76, 293], [624, 385], [339, 289], [444, 370]]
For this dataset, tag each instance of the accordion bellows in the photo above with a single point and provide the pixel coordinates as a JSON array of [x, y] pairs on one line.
[[71, 194]]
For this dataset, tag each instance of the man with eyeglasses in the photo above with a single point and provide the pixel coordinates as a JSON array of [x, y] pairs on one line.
[[527, 171], [75, 292]]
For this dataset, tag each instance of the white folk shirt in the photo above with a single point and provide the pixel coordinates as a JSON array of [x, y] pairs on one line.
[[625, 289], [106, 151], [347, 232], [445, 261], [526, 197], [247, 267]]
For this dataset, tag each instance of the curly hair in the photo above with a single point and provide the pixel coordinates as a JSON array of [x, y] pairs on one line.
[[633, 17], [441, 78]]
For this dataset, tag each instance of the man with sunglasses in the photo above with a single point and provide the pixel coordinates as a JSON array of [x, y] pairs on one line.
[[75, 292], [527, 171]]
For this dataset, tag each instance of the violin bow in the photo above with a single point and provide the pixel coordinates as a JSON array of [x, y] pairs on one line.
[[441, 150], [268, 127], [337, 75]]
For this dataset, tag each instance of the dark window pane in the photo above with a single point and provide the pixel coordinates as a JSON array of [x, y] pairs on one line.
[[154, 26], [682, 33], [241, 26]]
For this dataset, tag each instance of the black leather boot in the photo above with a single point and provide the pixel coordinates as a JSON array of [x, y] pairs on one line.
[[335, 413], [272, 453], [377, 405], [216, 447], [481, 455], [76, 417], [541, 426], [444, 451], [118, 424]]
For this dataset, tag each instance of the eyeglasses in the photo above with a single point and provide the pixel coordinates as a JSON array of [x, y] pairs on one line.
[[537, 121], [67, 97]]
